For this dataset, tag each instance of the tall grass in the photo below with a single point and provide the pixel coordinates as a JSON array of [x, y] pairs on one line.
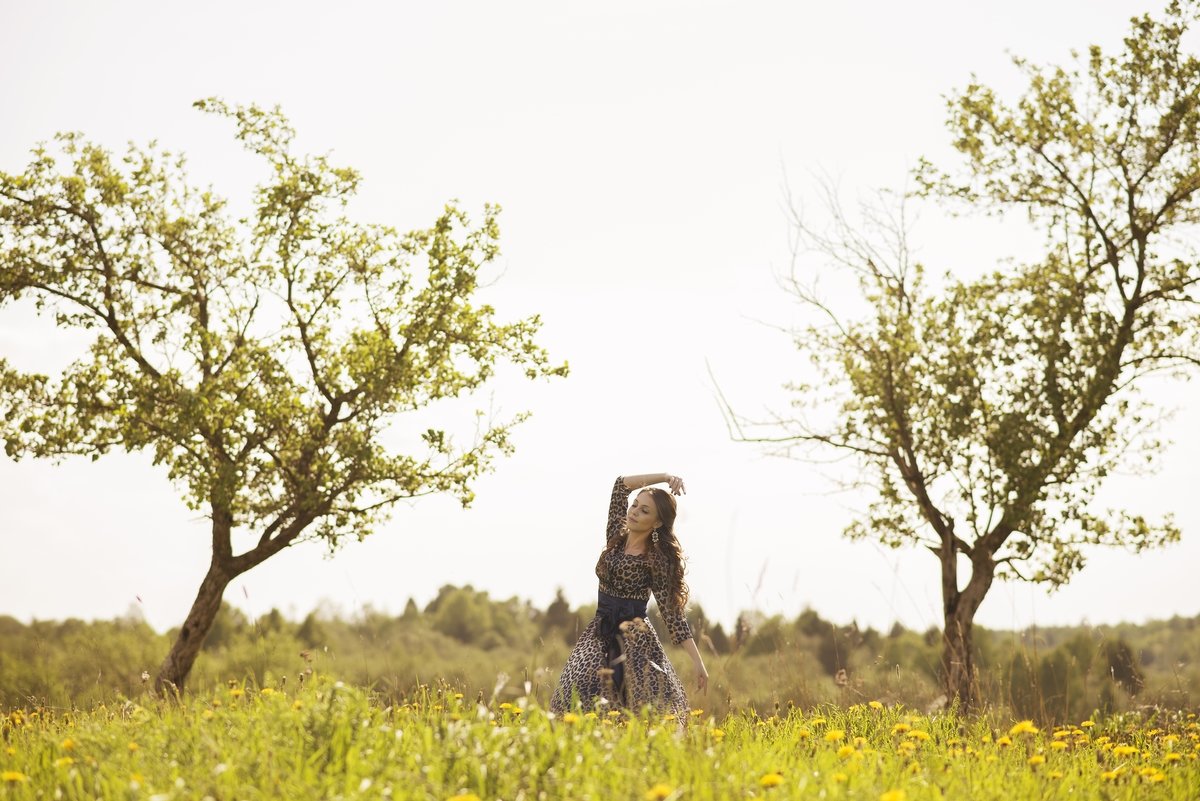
[[328, 740]]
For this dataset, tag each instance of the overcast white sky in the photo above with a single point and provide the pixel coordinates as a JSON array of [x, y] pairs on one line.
[[639, 151]]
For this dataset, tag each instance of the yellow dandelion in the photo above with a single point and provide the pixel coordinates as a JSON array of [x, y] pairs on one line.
[[846, 751], [507, 705], [1124, 751], [136, 778], [10, 750], [1155, 777], [1003, 742], [893, 795], [464, 797], [1062, 733], [134, 746], [13, 776], [1087, 724], [839, 778], [818, 721], [1172, 757], [297, 704], [771, 780], [64, 762], [67, 744], [658, 792], [917, 734], [1111, 775], [834, 735], [803, 734], [1058, 745], [590, 715], [668, 717], [267, 691], [901, 728], [1024, 727], [208, 714], [1036, 759], [237, 692], [1055, 774], [570, 717], [875, 704], [696, 713], [718, 734]]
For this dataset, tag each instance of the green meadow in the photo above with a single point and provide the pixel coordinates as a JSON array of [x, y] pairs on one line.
[[328, 740]]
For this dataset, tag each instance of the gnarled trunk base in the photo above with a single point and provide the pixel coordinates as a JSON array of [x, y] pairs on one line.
[[175, 668]]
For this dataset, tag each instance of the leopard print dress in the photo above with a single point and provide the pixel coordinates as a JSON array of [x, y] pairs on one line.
[[649, 678]]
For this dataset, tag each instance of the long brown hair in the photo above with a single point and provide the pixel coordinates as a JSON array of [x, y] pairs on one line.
[[665, 558]]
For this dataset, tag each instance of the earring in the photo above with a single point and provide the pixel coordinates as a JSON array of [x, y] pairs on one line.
[[654, 536]]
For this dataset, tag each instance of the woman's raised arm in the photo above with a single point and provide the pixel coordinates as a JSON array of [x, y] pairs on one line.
[[637, 482]]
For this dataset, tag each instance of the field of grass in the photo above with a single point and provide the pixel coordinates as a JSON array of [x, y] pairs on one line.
[[331, 741]]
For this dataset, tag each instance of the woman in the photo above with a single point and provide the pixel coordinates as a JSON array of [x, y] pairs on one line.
[[618, 659]]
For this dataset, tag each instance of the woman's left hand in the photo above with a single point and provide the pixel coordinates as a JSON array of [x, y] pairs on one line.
[[676, 485], [701, 678]]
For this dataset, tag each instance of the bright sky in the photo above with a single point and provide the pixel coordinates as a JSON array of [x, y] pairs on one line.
[[640, 152]]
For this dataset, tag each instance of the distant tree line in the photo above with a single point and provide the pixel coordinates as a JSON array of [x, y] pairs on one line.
[[494, 648]]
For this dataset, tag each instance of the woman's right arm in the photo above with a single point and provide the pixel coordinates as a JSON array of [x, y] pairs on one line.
[[637, 482], [618, 507]]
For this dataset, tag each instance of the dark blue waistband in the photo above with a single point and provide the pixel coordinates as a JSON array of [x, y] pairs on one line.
[[617, 610]]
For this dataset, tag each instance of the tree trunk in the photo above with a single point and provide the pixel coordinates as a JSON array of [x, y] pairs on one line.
[[958, 665], [175, 668], [959, 608]]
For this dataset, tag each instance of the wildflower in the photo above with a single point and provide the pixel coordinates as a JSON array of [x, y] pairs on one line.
[[266, 691], [893, 795], [1124, 751], [1036, 759], [1087, 724], [64, 762], [237, 692], [875, 704], [771, 780], [1154, 777], [207, 714], [297, 705], [818, 721], [1024, 727], [917, 734], [1172, 757], [803, 734], [133, 746], [570, 717], [1055, 774], [846, 751], [13, 776], [696, 713], [464, 797], [1058, 745], [718, 734], [834, 735], [1062, 733], [839, 778], [590, 715], [1003, 742], [900, 728], [658, 792]]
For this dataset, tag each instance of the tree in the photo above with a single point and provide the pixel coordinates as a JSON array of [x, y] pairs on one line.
[[264, 361], [984, 415]]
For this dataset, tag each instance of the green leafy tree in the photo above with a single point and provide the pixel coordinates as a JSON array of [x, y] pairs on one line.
[[984, 415], [266, 362]]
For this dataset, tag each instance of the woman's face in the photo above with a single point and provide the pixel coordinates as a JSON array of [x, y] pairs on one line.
[[643, 516]]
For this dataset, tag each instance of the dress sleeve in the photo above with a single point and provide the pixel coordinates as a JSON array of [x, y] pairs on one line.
[[618, 507], [672, 616]]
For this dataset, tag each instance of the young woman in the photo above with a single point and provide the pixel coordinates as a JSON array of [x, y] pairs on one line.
[[618, 659]]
